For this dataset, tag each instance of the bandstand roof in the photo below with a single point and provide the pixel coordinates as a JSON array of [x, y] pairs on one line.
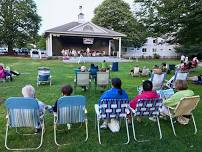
[[87, 29]]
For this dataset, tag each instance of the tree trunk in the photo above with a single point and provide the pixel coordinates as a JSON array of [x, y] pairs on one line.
[[10, 49]]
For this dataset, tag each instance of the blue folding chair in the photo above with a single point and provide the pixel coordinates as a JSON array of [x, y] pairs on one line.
[[23, 112], [146, 108], [70, 109], [112, 109], [44, 76]]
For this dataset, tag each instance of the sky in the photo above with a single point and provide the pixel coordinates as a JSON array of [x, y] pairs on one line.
[[58, 12]]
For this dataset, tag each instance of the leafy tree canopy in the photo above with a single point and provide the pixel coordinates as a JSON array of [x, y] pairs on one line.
[[116, 15], [19, 22]]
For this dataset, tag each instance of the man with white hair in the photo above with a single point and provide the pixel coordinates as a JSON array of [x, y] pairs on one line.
[[28, 91]]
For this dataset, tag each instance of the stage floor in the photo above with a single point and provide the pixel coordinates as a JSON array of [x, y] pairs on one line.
[[95, 59]]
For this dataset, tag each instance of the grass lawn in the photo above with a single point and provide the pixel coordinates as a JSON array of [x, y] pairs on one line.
[[63, 73]]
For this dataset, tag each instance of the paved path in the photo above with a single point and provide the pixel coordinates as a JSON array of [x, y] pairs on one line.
[[94, 59]]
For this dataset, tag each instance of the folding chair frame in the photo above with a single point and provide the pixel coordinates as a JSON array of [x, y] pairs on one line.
[[97, 117], [31, 148], [171, 116], [133, 114]]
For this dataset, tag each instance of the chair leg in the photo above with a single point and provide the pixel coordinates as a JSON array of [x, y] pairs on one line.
[[195, 128], [16, 149], [86, 122], [171, 121], [55, 133], [98, 131], [160, 133], [134, 133], [128, 136]]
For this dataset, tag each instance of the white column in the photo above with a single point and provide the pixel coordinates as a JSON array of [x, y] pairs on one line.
[[49, 45], [110, 44], [120, 47]]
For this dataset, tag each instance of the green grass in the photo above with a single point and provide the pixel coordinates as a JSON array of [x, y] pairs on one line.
[[62, 73]]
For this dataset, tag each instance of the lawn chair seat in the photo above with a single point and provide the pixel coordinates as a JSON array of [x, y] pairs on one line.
[[185, 107], [23, 112], [70, 110], [82, 79], [102, 79], [179, 75], [158, 80], [145, 72], [147, 108], [43, 76], [112, 109]]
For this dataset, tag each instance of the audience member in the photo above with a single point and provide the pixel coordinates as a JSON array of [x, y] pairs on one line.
[[66, 90], [116, 92], [29, 91], [147, 93], [182, 91]]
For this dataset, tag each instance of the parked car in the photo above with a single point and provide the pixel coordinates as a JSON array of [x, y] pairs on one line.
[[3, 50], [24, 51]]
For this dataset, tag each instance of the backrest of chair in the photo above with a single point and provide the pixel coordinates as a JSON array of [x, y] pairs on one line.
[[181, 75], [43, 73], [113, 108], [70, 109], [145, 71], [148, 107], [102, 78], [82, 78], [165, 94], [136, 70], [157, 80], [22, 112], [186, 105]]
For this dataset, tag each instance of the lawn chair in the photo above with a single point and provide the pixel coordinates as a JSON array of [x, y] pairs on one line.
[[112, 109], [185, 107], [145, 71], [147, 108], [158, 80], [179, 75], [43, 76], [70, 109], [23, 112], [82, 79], [102, 79], [136, 71]]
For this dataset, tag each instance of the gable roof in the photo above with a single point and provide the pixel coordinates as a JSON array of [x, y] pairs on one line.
[[77, 29]]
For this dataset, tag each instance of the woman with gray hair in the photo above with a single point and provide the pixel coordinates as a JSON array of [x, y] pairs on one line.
[[28, 91]]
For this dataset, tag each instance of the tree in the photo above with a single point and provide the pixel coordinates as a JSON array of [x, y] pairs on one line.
[[41, 43], [116, 15], [179, 19], [19, 22]]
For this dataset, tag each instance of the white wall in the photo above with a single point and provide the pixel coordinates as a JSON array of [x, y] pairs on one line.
[[160, 47]]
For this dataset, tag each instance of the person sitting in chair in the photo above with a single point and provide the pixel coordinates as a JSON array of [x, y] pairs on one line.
[[28, 91], [182, 91], [66, 90], [147, 93], [116, 92]]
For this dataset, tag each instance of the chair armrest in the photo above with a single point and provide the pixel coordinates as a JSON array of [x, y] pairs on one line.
[[131, 109], [170, 108], [97, 109]]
